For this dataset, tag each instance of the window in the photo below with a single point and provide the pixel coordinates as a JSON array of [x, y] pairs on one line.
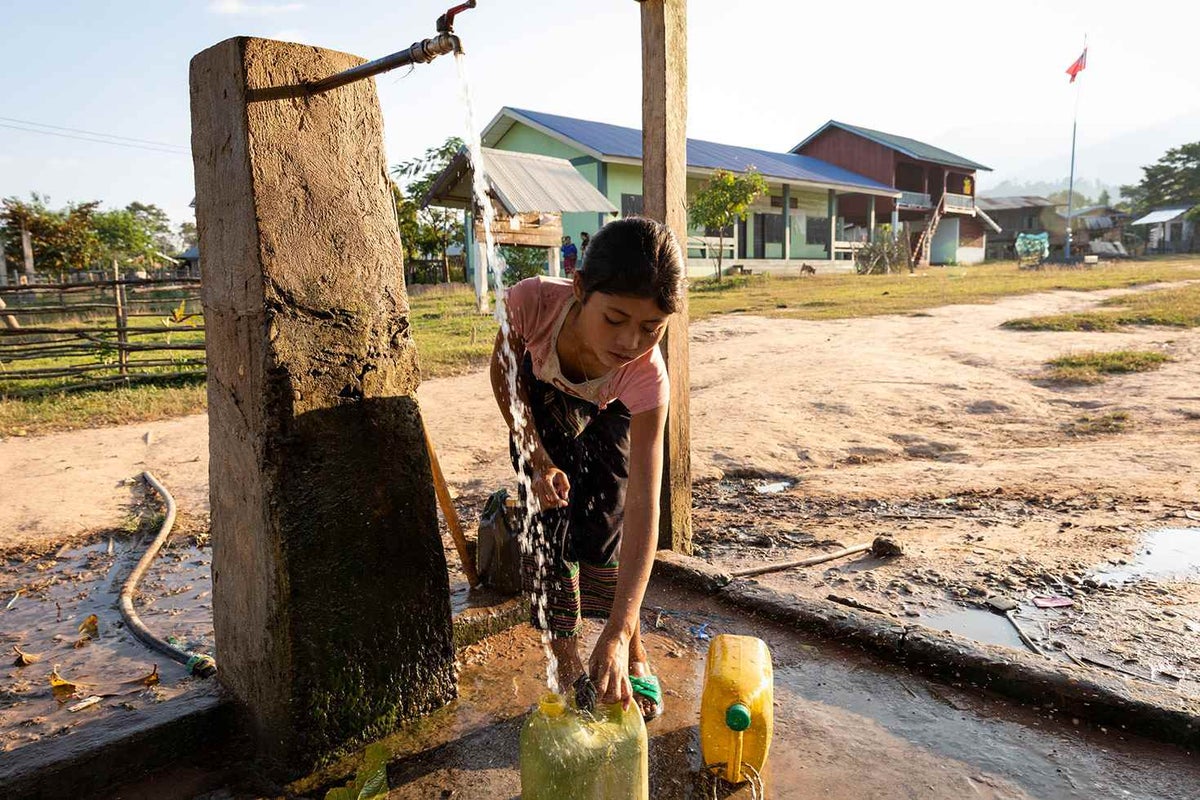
[[777, 202], [631, 205]]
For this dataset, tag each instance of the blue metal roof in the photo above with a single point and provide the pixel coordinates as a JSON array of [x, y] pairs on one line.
[[620, 142]]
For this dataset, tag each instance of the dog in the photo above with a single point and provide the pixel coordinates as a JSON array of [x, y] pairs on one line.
[[807, 269]]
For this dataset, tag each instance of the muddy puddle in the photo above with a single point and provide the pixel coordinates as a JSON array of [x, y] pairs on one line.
[[46, 599], [1164, 554], [976, 623], [847, 727]]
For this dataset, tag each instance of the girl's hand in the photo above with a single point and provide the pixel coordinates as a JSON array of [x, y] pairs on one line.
[[609, 669], [551, 487]]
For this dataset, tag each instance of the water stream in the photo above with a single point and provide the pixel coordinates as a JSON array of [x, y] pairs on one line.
[[532, 544]]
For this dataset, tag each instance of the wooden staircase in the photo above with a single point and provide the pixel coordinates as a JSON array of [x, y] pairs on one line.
[[920, 255]]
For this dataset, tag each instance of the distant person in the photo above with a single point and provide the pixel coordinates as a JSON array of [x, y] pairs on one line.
[[584, 241], [569, 256]]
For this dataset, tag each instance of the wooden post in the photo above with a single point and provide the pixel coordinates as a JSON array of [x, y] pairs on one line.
[[664, 192], [27, 251], [331, 598], [122, 336], [555, 262], [3, 262]]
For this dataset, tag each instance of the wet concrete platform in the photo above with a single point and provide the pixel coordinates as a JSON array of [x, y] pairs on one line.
[[847, 728]]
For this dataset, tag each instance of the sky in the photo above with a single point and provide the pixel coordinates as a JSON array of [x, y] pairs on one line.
[[983, 80]]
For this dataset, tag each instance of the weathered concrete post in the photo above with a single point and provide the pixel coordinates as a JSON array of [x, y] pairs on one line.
[[664, 192], [330, 592]]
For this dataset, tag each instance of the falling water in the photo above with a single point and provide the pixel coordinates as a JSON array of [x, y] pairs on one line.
[[494, 265]]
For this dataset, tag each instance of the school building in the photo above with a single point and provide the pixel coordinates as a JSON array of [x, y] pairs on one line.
[[825, 197]]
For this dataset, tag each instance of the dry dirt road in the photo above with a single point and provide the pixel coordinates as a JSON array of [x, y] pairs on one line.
[[931, 427]]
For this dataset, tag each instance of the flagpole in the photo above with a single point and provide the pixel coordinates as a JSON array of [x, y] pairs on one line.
[[1071, 180]]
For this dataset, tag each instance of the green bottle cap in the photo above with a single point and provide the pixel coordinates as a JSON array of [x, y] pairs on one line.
[[737, 717]]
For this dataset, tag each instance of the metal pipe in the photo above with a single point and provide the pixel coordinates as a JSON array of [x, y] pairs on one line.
[[418, 53]]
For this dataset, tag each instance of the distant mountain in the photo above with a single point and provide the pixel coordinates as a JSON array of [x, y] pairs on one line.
[[1088, 187]]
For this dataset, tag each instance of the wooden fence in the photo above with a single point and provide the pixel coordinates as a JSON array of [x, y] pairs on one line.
[[69, 336]]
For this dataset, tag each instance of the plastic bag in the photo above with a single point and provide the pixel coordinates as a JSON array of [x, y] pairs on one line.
[[498, 552]]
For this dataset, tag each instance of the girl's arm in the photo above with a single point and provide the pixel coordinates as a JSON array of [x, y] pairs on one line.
[[609, 665], [550, 485]]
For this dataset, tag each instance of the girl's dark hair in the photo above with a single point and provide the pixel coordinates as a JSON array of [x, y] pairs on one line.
[[635, 257]]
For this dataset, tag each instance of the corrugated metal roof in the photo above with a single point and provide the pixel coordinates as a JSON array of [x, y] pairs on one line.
[[1162, 215], [910, 147], [620, 142], [1012, 202], [521, 183]]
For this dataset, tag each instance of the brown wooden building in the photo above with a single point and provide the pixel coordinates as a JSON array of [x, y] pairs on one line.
[[937, 189]]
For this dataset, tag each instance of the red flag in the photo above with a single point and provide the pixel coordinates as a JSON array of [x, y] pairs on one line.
[[1078, 65]]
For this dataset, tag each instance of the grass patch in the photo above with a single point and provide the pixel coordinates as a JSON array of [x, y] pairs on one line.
[[841, 296], [94, 409], [1094, 367], [452, 338], [1176, 307], [1095, 425]]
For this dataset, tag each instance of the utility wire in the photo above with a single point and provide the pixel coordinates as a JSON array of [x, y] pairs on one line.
[[92, 133], [97, 141]]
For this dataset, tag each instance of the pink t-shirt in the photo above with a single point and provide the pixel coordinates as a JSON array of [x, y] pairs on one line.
[[537, 308]]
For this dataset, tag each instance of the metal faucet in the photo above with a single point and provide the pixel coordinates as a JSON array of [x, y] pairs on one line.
[[421, 52]]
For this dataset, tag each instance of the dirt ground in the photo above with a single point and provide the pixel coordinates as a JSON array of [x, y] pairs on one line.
[[930, 427]]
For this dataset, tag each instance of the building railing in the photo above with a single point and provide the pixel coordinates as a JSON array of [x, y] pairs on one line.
[[914, 200], [960, 203]]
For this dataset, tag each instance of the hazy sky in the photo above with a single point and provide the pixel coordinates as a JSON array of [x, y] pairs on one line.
[[984, 80]]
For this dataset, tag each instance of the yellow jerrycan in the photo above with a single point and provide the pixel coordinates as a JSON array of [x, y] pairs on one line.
[[737, 712], [564, 754]]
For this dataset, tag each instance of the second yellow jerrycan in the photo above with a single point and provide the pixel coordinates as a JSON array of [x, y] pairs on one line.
[[565, 754], [737, 712]]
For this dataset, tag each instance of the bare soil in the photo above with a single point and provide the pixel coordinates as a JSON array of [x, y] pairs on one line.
[[934, 428]]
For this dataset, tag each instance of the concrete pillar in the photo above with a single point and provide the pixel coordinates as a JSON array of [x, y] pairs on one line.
[[831, 203], [664, 189], [787, 222], [3, 263], [555, 262], [27, 252], [870, 218], [330, 593]]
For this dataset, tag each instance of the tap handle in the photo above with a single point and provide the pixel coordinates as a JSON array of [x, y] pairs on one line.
[[445, 23]]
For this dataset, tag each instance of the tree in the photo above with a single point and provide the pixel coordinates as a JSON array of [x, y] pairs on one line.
[[725, 198], [156, 223], [1104, 199], [1059, 198], [62, 240], [436, 228], [522, 262], [188, 235], [1173, 180], [124, 236]]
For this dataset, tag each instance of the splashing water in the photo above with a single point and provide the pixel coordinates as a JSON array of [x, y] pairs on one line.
[[532, 544]]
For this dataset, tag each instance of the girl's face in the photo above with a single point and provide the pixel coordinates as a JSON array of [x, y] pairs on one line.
[[617, 328]]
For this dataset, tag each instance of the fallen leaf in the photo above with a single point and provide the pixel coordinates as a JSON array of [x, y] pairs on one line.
[[147, 680], [24, 659], [90, 626], [82, 704], [63, 689]]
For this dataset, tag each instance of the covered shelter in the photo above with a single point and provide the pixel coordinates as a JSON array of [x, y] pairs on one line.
[[529, 194], [1171, 231]]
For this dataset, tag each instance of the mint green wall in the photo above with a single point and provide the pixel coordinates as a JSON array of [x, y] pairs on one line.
[[944, 247], [524, 139]]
